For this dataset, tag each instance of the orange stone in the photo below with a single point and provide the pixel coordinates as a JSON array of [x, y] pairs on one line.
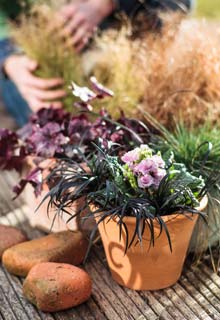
[[53, 287], [10, 236], [64, 247]]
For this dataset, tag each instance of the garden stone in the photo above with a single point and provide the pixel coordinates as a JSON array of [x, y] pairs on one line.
[[10, 236], [64, 247], [53, 287]]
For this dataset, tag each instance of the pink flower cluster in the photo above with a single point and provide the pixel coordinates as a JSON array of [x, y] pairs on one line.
[[148, 169]]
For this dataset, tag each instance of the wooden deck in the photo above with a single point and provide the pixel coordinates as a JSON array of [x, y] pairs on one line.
[[195, 296]]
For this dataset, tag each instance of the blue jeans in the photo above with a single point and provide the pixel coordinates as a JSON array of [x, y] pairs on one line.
[[12, 99]]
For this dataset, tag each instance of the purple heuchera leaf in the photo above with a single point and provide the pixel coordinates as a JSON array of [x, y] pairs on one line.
[[8, 142], [49, 140], [79, 129], [35, 178], [44, 116], [11, 155]]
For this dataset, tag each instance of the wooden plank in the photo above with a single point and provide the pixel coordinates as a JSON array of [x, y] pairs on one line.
[[7, 192], [155, 304], [10, 293], [200, 286], [5, 306], [144, 307], [191, 302], [1, 315], [125, 298], [210, 285], [180, 304], [168, 304], [101, 296], [3, 206], [95, 310], [119, 292], [66, 315], [209, 273], [32, 233], [199, 297], [108, 293], [103, 303], [76, 313]]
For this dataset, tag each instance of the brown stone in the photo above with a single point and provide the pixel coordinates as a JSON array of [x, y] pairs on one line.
[[10, 236], [53, 287], [64, 247]]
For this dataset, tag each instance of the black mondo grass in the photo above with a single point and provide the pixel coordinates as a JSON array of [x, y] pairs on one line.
[[108, 196]]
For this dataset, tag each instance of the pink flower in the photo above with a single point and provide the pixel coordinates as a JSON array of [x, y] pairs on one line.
[[145, 181], [159, 161], [159, 176], [145, 166], [148, 169], [131, 156]]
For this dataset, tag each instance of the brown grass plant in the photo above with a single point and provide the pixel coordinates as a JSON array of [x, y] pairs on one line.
[[171, 74]]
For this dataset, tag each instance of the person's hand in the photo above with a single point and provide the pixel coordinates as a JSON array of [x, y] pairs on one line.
[[39, 93], [80, 19]]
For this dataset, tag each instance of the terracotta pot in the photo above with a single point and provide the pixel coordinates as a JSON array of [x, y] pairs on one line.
[[41, 219], [144, 268]]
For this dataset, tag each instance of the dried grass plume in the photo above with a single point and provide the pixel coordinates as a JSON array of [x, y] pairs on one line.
[[172, 74]]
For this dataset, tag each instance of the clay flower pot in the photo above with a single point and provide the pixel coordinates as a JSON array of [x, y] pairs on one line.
[[144, 268]]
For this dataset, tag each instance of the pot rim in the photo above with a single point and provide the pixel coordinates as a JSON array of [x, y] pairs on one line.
[[166, 218]]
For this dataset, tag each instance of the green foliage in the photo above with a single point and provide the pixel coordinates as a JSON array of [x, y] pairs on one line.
[[130, 176], [198, 148]]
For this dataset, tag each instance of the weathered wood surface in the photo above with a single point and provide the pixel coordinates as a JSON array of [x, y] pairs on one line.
[[195, 296]]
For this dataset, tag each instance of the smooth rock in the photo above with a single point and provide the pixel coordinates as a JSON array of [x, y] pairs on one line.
[[10, 236], [64, 247], [53, 287]]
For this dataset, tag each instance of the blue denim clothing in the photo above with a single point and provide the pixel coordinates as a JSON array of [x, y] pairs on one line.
[[13, 101]]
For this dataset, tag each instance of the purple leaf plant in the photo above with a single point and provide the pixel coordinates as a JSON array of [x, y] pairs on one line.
[[56, 134]]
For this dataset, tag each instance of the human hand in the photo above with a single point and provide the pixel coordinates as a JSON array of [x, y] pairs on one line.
[[39, 93], [80, 19]]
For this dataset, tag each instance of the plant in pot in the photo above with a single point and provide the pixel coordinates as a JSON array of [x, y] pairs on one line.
[[145, 206], [54, 134]]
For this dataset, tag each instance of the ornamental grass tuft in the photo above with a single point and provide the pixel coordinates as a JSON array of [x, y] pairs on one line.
[[173, 73]]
